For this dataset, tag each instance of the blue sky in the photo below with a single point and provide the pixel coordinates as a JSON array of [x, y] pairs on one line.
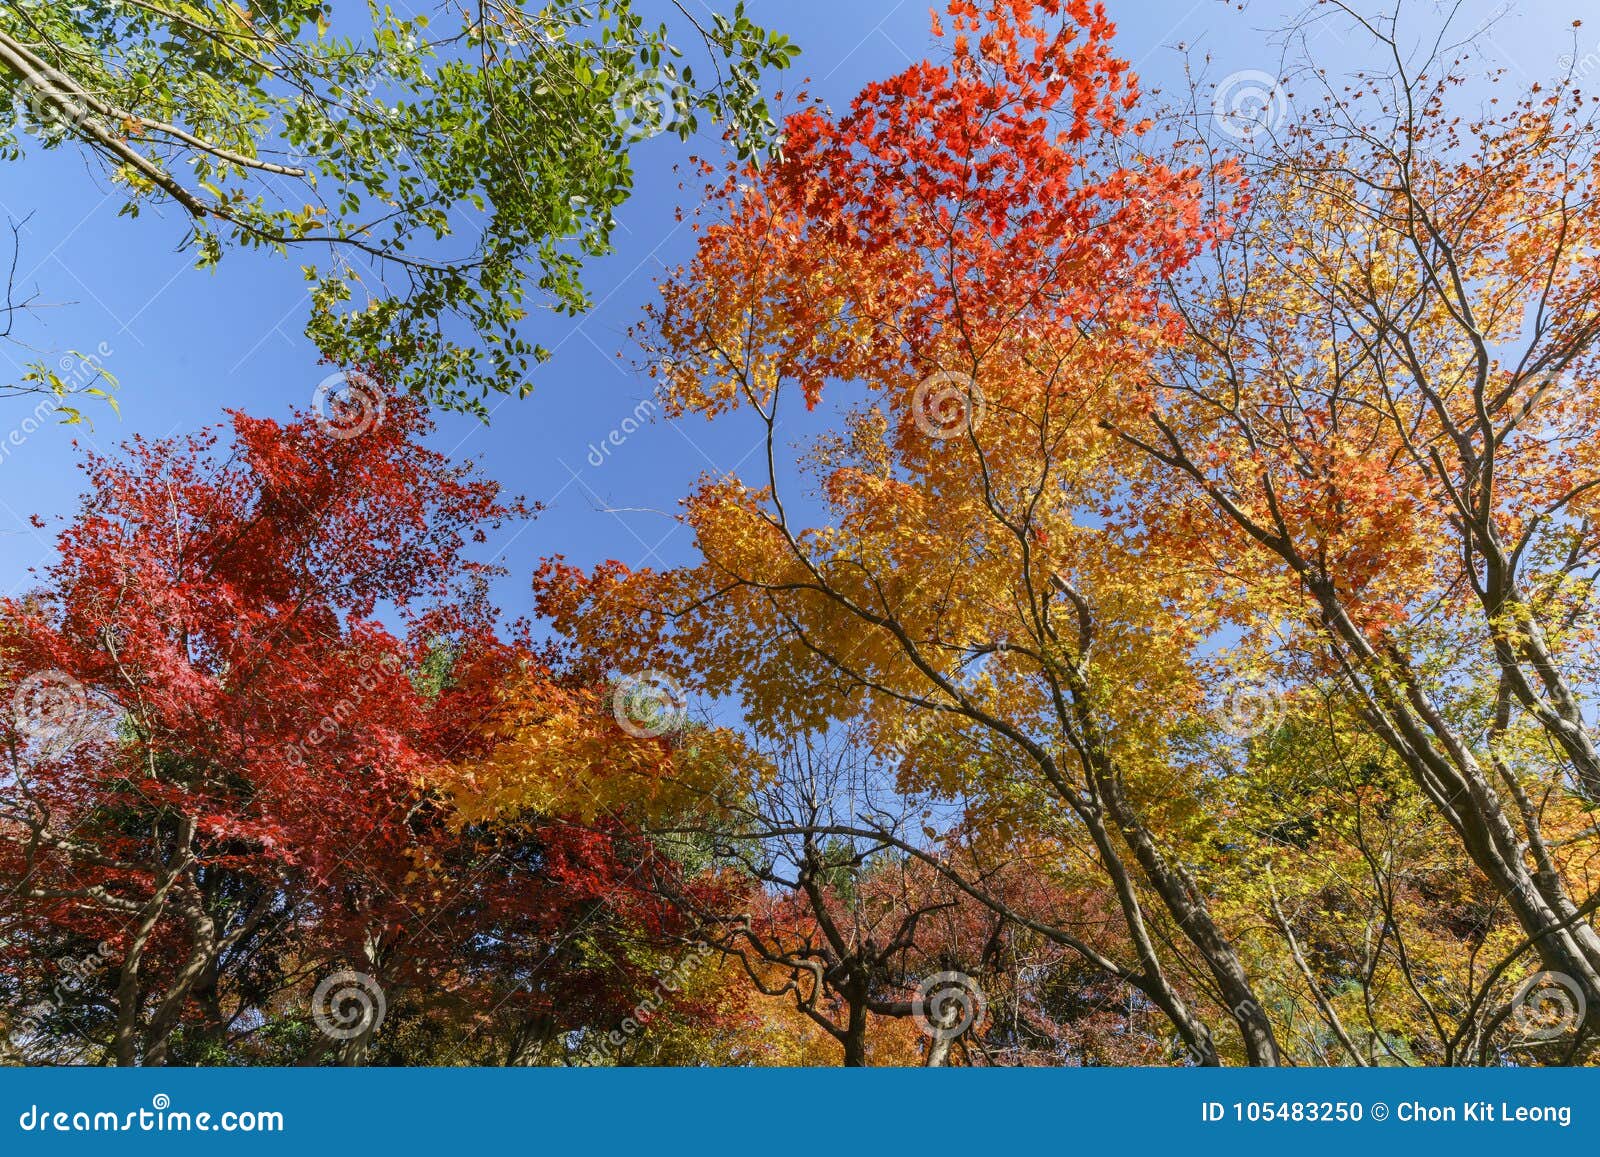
[[185, 343]]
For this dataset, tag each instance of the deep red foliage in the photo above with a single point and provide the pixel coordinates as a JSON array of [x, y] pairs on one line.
[[258, 654]]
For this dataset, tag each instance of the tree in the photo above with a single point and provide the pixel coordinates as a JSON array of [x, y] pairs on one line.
[[1181, 650], [228, 771], [864, 939], [964, 245], [202, 694], [1379, 427], [829, 924], [454, 176], [563, 763]]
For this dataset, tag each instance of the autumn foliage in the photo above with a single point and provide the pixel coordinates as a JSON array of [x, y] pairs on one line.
[[1178, 647], [257, 667]]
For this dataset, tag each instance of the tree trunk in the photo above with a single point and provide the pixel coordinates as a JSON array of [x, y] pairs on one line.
[[1443, 767], [854, 1039]]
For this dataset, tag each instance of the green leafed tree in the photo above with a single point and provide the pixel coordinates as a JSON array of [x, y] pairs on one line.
[[443, 179]]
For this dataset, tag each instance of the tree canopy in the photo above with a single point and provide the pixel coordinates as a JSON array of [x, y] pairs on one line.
[[1176, 646], [438, 182]]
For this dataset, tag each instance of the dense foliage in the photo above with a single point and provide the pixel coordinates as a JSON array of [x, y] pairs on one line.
[[1181, 650], [441, 182]]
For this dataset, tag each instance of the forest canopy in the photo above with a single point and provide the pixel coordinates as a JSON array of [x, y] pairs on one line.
[[1155, 624]]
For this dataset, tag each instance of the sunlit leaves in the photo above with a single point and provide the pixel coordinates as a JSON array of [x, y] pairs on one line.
[[455, 176]]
